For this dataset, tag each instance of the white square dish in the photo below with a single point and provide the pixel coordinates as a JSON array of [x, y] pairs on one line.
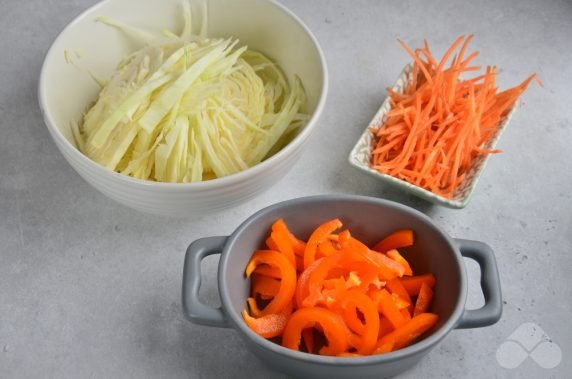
[[360, 155]]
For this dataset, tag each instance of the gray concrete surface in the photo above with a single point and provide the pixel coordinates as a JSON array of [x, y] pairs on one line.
[[90, 289]]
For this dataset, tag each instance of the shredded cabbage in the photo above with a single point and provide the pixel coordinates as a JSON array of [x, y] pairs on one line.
[[186, 108]]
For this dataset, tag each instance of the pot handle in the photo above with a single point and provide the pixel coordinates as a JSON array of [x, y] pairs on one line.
[[193, 308], [491, 312]]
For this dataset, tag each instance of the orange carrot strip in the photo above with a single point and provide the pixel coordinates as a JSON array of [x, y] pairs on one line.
[[417, 60], [449, 52]]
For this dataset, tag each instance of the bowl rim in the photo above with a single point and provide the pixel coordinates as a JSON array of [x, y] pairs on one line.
[[419, 347], [229, 180]]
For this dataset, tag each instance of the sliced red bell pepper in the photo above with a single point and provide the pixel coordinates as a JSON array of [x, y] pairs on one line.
[[308, 338], [253, 306], [344, 237], [410, 331], [386, 305], [423, 300], [399, 302], [269, 326], [413, 284], [333, 291], [325, 248], [406, 314], [332, 325], [316, 279], [385, 327], [270, 244], [287, 279], [319, 235], [394, 254], [302, 287], [264, 286], [282, 238], [384, 348], [400, 238], [388, 268], [266, 270], [298, 245], [348, 354], [396, 288], [342, 261], [368, 330], [335, 287]]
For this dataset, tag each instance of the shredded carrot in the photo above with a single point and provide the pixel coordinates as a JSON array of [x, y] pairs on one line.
[[439, 126], [349, 300]]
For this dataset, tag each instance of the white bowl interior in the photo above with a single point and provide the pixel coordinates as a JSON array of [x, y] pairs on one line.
[[86, 46]]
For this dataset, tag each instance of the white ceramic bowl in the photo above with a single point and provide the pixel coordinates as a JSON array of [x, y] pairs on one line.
[[65, 90]]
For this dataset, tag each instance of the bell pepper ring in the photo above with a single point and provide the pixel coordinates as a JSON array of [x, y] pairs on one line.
[[287, 280], [332, 325]]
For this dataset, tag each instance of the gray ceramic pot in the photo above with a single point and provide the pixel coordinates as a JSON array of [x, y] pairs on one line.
[[368, 219]]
